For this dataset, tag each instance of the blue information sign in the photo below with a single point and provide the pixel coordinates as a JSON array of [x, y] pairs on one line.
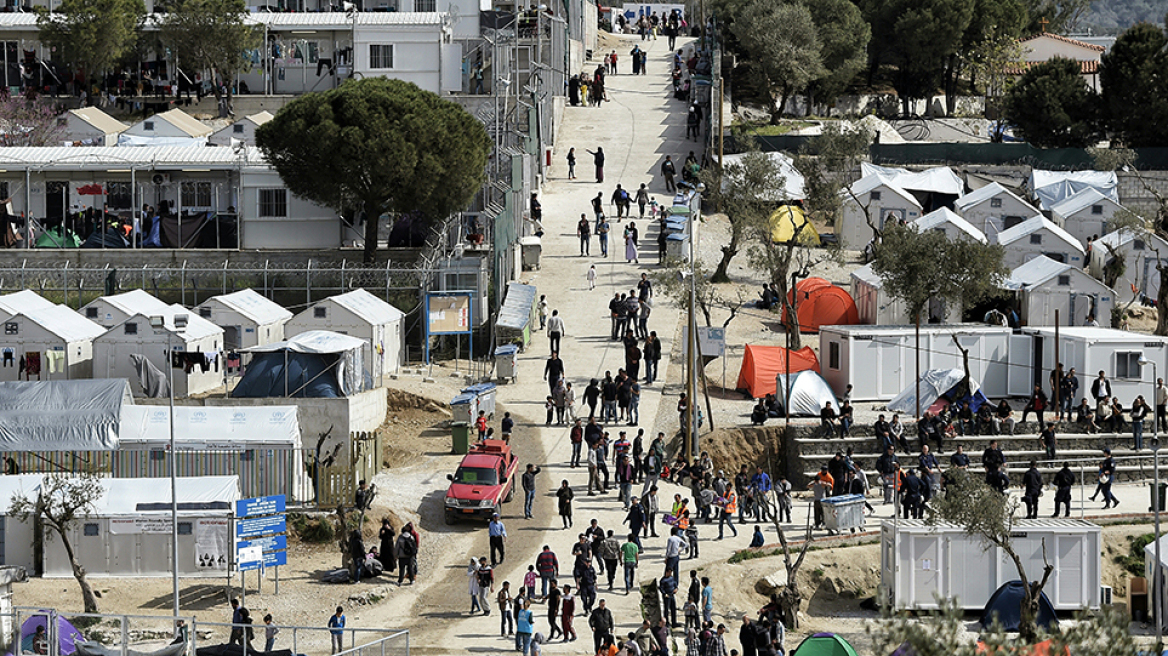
[[270, 505], [254, 526], [269, 543], [273, 559]]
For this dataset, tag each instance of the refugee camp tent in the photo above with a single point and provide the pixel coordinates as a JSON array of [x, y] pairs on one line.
[[793, 180], [112, 310], [1052, 187], [820, 303], [260, 444], [788, 219], [16, 550], [197, 347], [760, 365], [810, 393], [1006, 606], [62, 415], [25, 299], [128, 531], [824, 644], [936, 383], [360, 314], [67, 634], [59, 237], [47, 343], [315, 364]]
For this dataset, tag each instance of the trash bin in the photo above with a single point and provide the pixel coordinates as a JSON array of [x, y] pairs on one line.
[[1154, 497], [531, 248], [464, 408], [505, 366], [845, 512], [677, 246], [484, 395], [460, 437]]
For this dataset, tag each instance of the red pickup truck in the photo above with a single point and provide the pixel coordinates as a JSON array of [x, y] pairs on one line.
[[484, 481]]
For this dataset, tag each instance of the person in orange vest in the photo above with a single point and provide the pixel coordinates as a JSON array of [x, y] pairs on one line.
[[729, 509]]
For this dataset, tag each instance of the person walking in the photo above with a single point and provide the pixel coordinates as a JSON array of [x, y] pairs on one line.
[[1161, 405], [667, 586], [1063, 481], [548, 568], [673, 548], [668, 171], [610, 552], [486, 579], [472, 573], [555, 330], [553, 598], [571, 163], [598, 160], [498, 536], [622, 201], [590, 276], [236, 637], [602, 236], [406, 551], [567, 610], [1032, 489], [630, 558], [564, 497], [584, 232], [336, 625], [553, 371], [1107, 478], [600, 621], [524, 627], [504, 600], [642, 199], [631, 245], [270, 631], [729, 505], [529, 488], [649, 506]]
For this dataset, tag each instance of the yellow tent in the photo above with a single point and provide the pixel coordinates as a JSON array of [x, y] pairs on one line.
[[788, 219]]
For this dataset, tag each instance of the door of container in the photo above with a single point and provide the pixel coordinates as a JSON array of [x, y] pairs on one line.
[[969, 571], [1020, 359], [1070, 559], [926, 552], [889, 353]]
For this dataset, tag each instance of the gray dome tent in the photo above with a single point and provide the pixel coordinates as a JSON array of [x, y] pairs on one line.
[[809, 393], [1006, 605]]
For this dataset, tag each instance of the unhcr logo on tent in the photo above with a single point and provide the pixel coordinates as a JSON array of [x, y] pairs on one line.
[[199, 417], [238, 418], [278, 417]]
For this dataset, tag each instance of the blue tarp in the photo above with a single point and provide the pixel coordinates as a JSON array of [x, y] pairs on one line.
[[290, 374]]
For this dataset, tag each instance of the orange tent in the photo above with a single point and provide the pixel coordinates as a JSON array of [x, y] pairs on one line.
[[761, 364], [821, 303]]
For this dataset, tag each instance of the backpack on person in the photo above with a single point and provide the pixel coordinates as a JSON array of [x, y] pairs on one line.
[[624, 195]]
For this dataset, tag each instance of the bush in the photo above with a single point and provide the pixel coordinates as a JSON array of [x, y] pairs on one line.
[[1133, 561], [313, 530]]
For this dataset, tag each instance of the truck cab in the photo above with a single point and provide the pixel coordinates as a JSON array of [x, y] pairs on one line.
[[483, 482]]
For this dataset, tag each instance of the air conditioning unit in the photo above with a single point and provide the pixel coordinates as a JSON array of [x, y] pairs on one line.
[[160, 178], [1105, 595]]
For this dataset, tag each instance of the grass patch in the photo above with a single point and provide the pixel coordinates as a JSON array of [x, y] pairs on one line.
[[312, 530], [1133, 561]]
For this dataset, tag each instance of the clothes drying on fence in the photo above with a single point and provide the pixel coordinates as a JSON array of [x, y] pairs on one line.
[[187, 361]]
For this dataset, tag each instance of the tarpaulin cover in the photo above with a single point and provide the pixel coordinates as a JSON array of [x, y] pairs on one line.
[[108, 238], [66, 415], [59, 237], [182, 231], [517, 306], [144, 426], [1052, 187], [939, 179], [821, 303], [313, 364], [95, 649], [760, 365], [1006, 605], [809, 393], [130, 497], [934, 384], [67, 634], [1043, 648], [824, 644]]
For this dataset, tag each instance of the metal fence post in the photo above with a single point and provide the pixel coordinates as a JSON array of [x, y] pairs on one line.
[[224, 276], [308, 284], [23, 265], [183, 282], [65, 282], [267, 292], [125, 635], [143, 285], [343, 264]]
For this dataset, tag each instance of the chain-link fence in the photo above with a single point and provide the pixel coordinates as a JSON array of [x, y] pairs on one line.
[[54, 633], [292, 285]]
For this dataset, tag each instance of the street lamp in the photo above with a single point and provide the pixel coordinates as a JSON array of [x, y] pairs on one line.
[[180, 323], [1157, 612]]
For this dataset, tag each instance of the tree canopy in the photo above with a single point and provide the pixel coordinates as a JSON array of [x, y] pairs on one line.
[[918, 266], [211, 35], [1052, 107], [1134, 75], [91, 34], [378, 145], [783, 46]]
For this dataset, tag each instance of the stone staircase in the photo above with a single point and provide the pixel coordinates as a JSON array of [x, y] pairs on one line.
[[1082, 450]]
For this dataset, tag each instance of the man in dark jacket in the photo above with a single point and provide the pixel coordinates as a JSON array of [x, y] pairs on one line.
[[913, 491], [600, 621], [652, 355], [883, 432], [746, 637], [997, 479], [992, 457], [1032, 487], [667, 585], [1063, 481], [886, 467]]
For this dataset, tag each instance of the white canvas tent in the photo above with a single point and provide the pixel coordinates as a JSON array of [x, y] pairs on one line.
[[937, 180], [934, 383], [260, 444], [1143, 254], [950, 224], [58, 340], [128, 533], [809, 393], [793, 181], [16, 549], [109, 311], [25, 299], [247, 318], [362, 315], [71, 415], [201, 339], [1052, 187]]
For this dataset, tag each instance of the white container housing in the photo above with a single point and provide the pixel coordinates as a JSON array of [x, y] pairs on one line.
[[1085, 214], [359, 314], [993, 208], [880, 361], [877, 308], [884, 202], [112, 351], [1044, 287], [1141, 254], [16, 548], [1039, 236], [1091, 350], [951, 225], [919, 563], [128, 533], [109, 311], [247, 318], [60, 340]]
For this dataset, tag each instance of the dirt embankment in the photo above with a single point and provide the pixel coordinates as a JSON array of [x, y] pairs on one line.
[[744, 445]]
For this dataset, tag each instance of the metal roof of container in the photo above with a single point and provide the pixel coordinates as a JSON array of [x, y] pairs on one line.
[[1080, 201], [516, 309], [343, 21], [135, 301], [978, 196], [945, 215], [100, 120], [368, 307], [144, 157], [252, 305]]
